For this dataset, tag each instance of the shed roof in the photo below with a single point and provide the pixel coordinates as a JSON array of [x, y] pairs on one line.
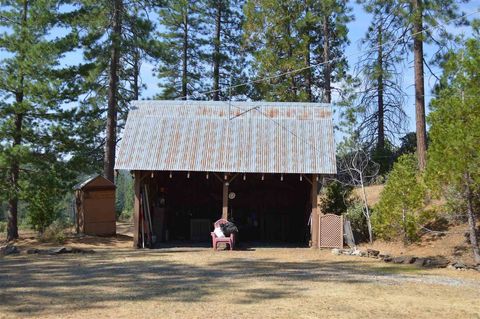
[[218, 136], [94, 180]]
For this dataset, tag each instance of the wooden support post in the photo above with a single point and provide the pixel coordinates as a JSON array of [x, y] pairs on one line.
[[225, 201], [136, 209], [315, 221]]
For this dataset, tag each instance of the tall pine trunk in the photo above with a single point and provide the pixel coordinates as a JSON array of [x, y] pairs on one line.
[[12, 226], [184, 54], [292, 90], [308, 61], [472, 219], [111, 134], [309, 72], [327, 68], [293, 82], [380, 91], [136, 75], [419, 84], [216, 54]]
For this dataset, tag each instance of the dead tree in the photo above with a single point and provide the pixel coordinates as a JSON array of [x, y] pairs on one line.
[[358, 170], [381, 96]]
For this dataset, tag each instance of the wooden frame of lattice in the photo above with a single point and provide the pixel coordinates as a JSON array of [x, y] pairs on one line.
[[330, 231]]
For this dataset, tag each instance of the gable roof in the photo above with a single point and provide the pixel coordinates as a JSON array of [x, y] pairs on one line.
[[218, 136], [99, 179]]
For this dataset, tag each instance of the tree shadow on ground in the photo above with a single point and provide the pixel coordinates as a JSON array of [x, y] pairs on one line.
[[35, 285]]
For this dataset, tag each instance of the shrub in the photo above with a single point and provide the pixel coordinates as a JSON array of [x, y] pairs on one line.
[[43, 202], [126, 215], [358, 221], [384, 157], [55, 232], [398, 211], [336, 198]]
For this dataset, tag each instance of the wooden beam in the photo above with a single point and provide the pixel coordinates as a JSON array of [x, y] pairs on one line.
[[315, 221], [136, 208], [232, 178], [225, 201], [218, 177], [308, 179]]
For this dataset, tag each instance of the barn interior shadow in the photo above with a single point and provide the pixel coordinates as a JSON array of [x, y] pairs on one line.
[[37, 285]]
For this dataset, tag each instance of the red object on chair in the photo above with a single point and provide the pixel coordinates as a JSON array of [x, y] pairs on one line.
[[228, 240]]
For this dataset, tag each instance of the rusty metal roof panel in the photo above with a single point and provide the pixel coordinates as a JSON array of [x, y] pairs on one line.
[[250, 137]]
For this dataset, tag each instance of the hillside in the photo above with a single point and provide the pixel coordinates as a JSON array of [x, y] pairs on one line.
[[372, 192], [451, 244]]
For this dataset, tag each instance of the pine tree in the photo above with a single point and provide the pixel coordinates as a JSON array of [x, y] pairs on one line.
[[455, 132], [223, 21], [139, 45], [398, 211], [34, 135], [381, 97], [273, 39], [335, 15], [308, 35], [112, 63], [418, 16], [113, 83], [181, 61]]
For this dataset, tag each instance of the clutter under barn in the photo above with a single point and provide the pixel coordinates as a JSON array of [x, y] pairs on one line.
[[257, 164]]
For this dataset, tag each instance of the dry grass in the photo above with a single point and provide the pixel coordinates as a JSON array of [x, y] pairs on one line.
[[195, 282], [260, 282], [372, 192]]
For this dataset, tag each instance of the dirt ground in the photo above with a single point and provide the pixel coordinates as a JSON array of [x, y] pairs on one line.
[[196, 282], [451, 245]]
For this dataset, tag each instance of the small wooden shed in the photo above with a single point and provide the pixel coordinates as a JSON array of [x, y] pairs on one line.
[[95, 206]]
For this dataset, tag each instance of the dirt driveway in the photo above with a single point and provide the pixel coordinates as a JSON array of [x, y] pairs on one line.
[[255, 283]]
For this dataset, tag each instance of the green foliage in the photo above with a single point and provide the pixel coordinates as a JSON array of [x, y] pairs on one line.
[[455, 131], [336, 198], [36, 127], [124, 196], [398, 213], [356, 216], [456, 204], [231, 56], [284, 36], [93, 21], [384, 157], [126, 215], [433, 13], [43, 194], [408, 144], [455, 122], [181, 60]]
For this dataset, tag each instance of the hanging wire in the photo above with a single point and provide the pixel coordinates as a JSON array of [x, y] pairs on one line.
[[331, 60]]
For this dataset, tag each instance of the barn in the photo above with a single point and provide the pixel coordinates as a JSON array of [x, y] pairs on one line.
[[258, 164]]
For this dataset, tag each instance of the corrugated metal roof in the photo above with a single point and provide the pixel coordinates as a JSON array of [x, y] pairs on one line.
[[218, 136], [90, 179]]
